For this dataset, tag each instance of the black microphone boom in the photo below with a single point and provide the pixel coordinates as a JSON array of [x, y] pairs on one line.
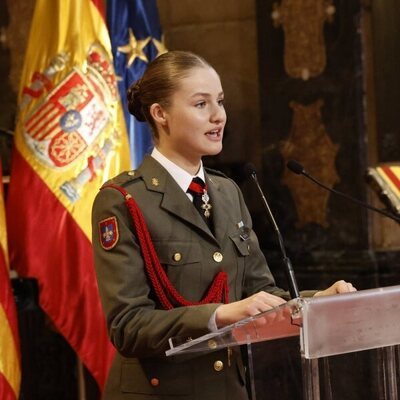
[[298, 169], [293, 290]]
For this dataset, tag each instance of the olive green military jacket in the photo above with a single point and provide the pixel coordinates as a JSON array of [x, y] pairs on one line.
[[191, 255]]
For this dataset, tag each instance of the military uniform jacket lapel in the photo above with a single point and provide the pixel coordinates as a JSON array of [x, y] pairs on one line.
[[220, 213], [174, 200]]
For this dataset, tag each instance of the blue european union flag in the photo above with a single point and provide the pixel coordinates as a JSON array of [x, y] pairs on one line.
[[135, 33]]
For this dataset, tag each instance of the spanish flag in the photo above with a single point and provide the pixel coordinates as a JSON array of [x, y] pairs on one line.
[[70, 137], [10, 366]]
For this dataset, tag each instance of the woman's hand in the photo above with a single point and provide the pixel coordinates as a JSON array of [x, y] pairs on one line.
[[230, 313], [338, 287]]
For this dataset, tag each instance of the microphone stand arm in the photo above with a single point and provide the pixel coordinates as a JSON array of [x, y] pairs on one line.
[[291, 279], [378, 210]]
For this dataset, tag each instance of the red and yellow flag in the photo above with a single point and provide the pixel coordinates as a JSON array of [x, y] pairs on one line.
[[69, 139], [10, 366]]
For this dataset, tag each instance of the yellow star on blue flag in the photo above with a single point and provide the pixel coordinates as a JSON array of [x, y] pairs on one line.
[[136, 40], [134, 48]]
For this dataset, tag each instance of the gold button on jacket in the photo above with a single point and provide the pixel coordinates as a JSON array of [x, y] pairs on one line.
[[177, 257], [218, 365], [218, 257]]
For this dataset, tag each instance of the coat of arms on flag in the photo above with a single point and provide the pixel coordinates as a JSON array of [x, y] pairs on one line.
[[67, 121]]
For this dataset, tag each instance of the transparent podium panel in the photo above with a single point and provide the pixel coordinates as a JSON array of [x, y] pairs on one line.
[[347, 323], [280, 322], [327, 326], [350, 322]]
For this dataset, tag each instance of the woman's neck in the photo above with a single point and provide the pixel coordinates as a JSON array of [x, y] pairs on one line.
[[191, 166]]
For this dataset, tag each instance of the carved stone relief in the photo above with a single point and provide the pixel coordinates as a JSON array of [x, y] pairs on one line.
[[303, 22], [310, 144]]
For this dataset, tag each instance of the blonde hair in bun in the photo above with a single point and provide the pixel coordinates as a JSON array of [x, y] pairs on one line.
[[134, 103]]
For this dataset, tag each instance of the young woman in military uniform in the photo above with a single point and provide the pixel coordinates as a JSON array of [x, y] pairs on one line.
[[198, 269]]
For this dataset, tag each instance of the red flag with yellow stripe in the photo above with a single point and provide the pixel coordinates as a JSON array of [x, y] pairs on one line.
[[10, 367], [69, 139]]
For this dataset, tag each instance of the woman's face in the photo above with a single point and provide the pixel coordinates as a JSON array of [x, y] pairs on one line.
[[195, 118]]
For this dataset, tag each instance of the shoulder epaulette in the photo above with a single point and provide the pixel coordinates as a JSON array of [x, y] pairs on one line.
[[124, 178], [215, 172]]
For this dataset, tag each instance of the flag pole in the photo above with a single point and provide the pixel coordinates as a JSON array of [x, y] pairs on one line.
[[81, 380]]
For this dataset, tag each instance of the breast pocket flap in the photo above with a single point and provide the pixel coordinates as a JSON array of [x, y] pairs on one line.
[[242, 246], [177, 253]]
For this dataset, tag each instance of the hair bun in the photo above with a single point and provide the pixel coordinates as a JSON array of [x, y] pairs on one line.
[[134, 102]]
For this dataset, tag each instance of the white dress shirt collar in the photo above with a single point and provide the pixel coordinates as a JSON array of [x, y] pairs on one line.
[[182, 177]]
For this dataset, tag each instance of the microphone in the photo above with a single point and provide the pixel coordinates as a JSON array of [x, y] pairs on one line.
[[293, 290], [298, 169]]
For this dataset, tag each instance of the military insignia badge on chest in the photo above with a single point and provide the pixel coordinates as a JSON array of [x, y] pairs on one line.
[[109, 234], [206, 206]]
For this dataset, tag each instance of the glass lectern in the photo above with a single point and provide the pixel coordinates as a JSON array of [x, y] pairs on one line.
[[331, 325]]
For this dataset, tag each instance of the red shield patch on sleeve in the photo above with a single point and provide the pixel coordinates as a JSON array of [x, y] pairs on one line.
[[109, 233]]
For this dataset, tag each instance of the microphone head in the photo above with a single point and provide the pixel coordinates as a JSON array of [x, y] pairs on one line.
[[295, 167], [250, 169]]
